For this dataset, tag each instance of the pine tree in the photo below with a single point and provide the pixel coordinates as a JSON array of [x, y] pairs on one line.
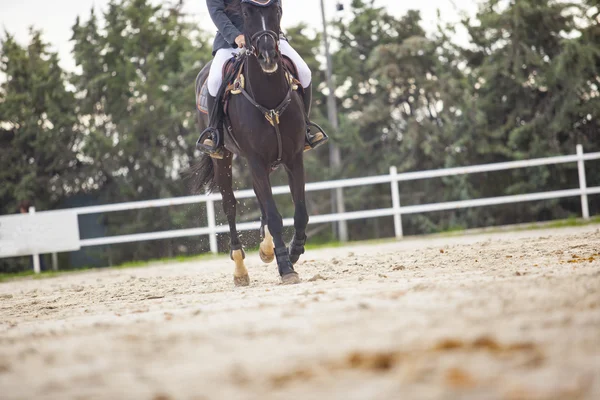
[[39, 132], [532, 69], [136, 91]]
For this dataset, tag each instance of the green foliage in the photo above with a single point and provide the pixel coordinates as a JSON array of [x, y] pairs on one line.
[[39, 130], [525, 87], [532, 68], [136, 94]]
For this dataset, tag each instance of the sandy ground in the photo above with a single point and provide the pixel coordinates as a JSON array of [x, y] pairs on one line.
[[502, 316]]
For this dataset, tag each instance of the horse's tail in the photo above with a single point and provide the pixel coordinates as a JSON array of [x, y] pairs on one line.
[[202, 175]]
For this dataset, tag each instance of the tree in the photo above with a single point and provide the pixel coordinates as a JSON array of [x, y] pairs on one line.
[[532, 69], [39, 130], [136, 95], [394, 104]]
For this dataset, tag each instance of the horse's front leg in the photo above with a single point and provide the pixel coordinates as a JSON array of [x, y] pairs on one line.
[[296, 180], [266, 249], [223, 175], [262, 188]]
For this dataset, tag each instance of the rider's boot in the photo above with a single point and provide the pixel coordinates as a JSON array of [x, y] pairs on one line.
[[210, 139], [319, 137]]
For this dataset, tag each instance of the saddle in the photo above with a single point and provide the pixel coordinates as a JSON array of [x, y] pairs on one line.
[[238, 82]]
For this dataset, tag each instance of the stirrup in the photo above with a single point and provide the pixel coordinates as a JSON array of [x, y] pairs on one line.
[[316, 140], [207, 145]]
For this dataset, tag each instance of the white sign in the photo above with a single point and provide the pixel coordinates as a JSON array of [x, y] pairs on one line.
[[39, 233]]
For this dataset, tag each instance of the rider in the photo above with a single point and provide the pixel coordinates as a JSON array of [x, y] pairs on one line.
[[230, 40]]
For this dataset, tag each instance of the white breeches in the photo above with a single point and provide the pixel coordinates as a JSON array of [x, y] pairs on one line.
[[304, 73], [215, 77]]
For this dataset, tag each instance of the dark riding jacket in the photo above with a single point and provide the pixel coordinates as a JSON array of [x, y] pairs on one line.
[[229, 24]]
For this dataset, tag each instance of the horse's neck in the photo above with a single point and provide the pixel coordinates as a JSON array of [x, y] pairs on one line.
[[268, 90]]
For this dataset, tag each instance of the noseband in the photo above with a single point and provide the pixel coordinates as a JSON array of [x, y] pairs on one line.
[[261, 34]]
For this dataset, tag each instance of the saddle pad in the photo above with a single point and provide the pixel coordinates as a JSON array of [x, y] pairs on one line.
[[202, 100]]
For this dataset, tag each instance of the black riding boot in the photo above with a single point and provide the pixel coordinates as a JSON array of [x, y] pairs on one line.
[[210, 139], [313, 140]]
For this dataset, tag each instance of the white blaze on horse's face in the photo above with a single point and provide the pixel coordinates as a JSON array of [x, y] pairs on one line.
[[275, 67], [261, 25], [264, 23]]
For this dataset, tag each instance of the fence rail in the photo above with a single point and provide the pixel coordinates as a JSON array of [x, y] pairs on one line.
[[396, 211]]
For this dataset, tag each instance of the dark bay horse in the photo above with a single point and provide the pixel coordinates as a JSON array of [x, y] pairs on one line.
[[265, 145]]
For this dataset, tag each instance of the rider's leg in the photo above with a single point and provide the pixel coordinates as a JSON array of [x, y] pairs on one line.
[[215, 76], [305, 78], [210, 136], [304, 73]]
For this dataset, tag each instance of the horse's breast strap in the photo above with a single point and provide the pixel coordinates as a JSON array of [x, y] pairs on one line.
[[292, 81], [238, 86], [239, 83]]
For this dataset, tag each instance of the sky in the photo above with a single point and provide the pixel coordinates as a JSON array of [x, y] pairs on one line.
[[56, 18]]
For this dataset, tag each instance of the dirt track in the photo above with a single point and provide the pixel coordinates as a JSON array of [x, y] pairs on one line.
[[504, 316]]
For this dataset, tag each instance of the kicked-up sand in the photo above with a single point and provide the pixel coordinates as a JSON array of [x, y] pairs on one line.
[[497, 316]]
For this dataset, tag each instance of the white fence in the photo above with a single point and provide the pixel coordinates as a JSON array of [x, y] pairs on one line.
[[396, 210]]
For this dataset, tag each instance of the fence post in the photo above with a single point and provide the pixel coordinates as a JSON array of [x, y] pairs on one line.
[[212, 224], [396, 203], [54, 262], [36, 257], [340, 207], [585, 209]]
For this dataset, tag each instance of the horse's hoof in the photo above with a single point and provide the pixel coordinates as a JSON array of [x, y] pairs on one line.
[[266, 250], [241, 281], [266, 258], [291, 279]]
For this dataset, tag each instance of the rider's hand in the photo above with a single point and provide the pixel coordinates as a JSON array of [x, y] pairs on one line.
[[240, 41]]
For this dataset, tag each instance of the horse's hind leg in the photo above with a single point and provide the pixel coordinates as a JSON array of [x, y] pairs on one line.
[[296, 180], [262, 188], [224, 179], [267, 247]]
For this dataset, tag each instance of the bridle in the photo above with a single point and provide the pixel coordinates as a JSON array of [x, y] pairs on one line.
[[259, 35]]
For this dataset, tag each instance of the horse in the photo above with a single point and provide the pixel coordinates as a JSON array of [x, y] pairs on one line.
[[266, 125]]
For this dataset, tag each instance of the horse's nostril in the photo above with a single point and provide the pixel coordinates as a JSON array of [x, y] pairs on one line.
[[268, 56]]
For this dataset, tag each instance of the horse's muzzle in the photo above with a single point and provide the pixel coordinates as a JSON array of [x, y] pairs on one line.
[[269, 61]]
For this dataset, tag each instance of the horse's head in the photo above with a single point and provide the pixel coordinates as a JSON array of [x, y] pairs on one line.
[[262, 26]]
